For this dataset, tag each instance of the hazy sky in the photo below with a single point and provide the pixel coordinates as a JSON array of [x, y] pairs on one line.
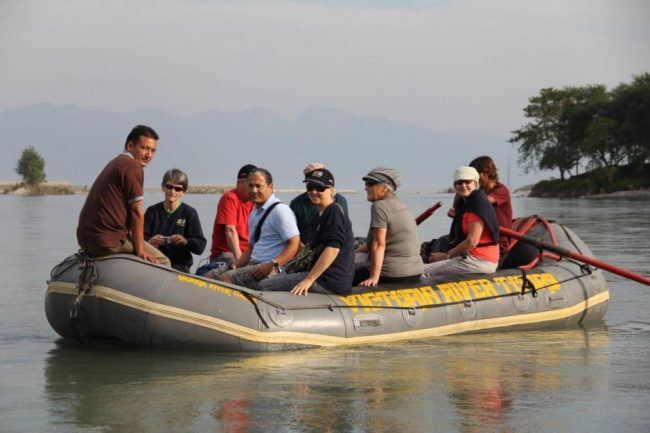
[[441, 65]]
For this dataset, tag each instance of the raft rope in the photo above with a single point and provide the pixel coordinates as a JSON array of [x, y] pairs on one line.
[[84, 282], [519, 294], [89, 275]]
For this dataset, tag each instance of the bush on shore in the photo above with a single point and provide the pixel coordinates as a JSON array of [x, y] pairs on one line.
[[604, 180]]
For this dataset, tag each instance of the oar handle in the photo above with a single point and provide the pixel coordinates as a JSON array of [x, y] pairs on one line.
[[427, 213], [576, 256]]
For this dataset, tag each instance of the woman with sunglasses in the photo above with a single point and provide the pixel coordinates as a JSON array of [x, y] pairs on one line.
[[330, 233], [474, 233], [172, 226], [392, 244]]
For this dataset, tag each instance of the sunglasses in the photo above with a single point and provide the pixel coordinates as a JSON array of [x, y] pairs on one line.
[[371, 182], [463, 182], [174, 187], [314, 186]]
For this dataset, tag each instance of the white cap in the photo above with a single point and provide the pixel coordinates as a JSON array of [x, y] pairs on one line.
[[465, 172]]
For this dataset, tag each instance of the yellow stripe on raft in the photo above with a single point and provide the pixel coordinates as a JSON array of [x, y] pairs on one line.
[[303, 338]]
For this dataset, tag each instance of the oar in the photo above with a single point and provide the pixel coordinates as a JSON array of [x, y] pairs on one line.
[[576, 256], [427, 213]]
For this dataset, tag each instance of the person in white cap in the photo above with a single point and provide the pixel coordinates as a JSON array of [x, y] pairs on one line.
[[305, 210], [474, 233]]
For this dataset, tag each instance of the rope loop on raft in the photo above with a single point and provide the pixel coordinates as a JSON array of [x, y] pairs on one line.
[[527, 284], [84, 282]]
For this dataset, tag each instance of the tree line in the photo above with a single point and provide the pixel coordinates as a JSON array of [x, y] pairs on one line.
[[586, 127]]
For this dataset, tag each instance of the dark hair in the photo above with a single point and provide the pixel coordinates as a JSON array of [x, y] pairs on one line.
[[268, 178], [177, 177], [140, 131], [485, 164]]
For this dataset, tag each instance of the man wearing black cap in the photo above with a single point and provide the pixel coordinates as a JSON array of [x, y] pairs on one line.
[[303, 208], [230, 231]]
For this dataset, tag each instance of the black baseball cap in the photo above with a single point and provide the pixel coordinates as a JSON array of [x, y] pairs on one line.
[[321, 176], [245, 171]]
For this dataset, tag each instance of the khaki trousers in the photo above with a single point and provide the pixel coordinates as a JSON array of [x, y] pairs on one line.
[[126, 247]]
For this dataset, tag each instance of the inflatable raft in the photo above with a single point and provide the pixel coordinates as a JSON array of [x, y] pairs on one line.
[[122, 299]]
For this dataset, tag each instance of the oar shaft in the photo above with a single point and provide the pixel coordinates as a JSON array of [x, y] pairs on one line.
[[576, 256], [427, 213]]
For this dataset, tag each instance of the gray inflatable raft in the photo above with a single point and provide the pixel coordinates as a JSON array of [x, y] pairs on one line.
[[122, 299]]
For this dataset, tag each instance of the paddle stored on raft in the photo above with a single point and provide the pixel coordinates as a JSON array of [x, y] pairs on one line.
[[123, 299]]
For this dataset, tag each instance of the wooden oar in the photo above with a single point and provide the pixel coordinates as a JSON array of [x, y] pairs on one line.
[[576, 256], [427, 213]]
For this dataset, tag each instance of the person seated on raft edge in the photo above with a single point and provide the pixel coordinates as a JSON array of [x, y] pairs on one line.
[[278, 238], [497, 193], [474, 231], [173, 226], [392, 242], [305, 210], [330, 271], [112, 219], [230, 229]]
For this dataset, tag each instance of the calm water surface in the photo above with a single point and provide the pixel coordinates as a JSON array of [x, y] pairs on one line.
[[575, 380]]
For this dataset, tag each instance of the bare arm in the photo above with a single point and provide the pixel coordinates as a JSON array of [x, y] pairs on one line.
[[232, 239], [244, 258], [377, 251], [324, 261], [289, 252], [474, 230]]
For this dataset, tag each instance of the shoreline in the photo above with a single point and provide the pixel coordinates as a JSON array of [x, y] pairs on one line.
[[66, 188]]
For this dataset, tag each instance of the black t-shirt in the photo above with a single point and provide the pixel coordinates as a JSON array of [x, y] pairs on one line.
[[183, 221], [334, 229]]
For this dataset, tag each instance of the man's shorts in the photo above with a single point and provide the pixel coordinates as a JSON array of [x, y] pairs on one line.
[[244, 276]]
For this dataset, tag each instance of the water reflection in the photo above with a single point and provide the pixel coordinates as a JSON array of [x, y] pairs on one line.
[[487, 382]]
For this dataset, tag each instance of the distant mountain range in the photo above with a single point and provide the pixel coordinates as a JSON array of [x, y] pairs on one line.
[[211, 146]]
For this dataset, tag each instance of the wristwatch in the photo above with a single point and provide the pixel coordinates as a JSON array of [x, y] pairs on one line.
[[276, 265]]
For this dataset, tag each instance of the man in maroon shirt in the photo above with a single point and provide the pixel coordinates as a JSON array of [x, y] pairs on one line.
[[112, 219]]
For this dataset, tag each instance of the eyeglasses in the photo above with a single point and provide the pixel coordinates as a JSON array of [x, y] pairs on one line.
[[174, 187], [371, 182], [463, 182], [315, 186]]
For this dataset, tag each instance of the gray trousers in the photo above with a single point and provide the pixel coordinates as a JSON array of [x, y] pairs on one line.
[[468, 264], [286, 282]]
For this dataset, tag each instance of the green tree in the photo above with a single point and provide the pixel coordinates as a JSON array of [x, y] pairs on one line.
[[31, 166], [555, 136], [631, 109]]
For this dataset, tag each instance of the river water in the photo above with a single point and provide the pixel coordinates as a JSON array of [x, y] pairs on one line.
[[575, 380]]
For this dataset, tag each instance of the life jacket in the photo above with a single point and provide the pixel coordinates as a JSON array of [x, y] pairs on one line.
[[478, 203]]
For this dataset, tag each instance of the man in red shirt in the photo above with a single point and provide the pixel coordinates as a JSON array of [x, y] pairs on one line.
[[230, 231], [112, 219]]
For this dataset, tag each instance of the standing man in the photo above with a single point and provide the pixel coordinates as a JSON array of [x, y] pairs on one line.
[[274, 235], [305, 210], [230, 232], [112, 219]]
